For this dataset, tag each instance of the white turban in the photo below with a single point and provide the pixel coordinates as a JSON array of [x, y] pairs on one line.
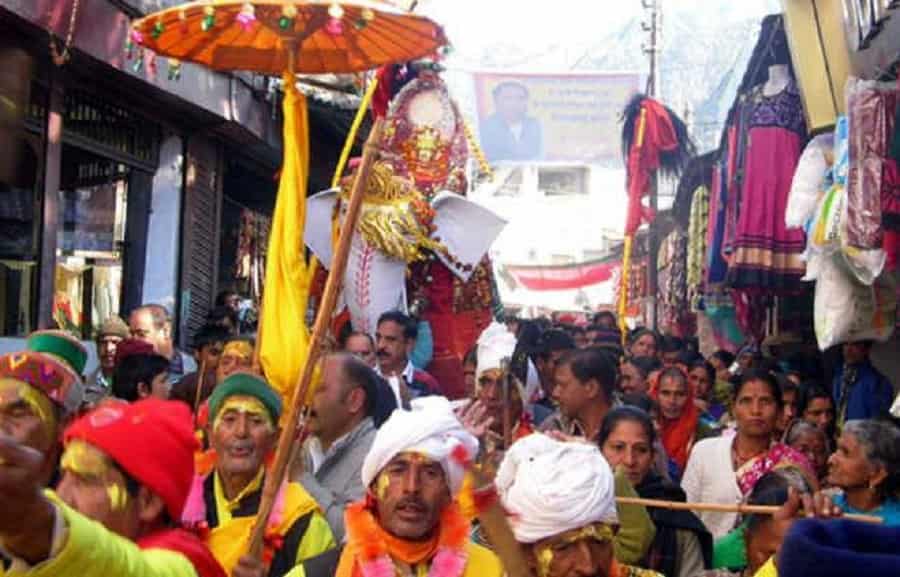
[[429, 428], [550, 487], [495, 345]]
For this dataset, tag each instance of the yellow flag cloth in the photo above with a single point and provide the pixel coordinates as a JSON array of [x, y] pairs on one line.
[[284, 337]]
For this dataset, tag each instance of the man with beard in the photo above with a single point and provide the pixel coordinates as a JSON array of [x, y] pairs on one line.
[[409, 523], [116, 499], [395, 338], [561, 500], [342, 430], [496, 346], [243, 430]]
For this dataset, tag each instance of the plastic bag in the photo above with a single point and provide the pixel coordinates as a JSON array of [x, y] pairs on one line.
[[809, 180], [846, 310]]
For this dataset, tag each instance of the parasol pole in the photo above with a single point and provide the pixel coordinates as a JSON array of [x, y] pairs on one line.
[[276, 475]]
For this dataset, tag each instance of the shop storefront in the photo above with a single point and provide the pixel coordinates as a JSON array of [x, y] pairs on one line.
[[112, 172]]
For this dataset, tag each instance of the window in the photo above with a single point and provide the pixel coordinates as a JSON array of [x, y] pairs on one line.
[[88, 274], [21, 167], [512, 186], [563, 181]]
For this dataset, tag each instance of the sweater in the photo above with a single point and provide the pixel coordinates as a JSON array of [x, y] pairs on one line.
[[335, 481], [709, 478]]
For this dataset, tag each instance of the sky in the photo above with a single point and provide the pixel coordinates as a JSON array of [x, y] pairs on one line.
[[472, 24]]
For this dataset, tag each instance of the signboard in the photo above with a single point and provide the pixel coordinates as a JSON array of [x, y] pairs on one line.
[[552, 117]]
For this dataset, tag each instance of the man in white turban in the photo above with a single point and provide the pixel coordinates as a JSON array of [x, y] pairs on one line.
[[408, 523], [496, 346], [562, 505]]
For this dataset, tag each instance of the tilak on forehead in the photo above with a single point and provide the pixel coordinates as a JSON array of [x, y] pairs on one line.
[[13, 391], [599, 532], [40, 381], [243, 404]]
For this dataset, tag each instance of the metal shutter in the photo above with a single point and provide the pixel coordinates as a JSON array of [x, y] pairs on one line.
[[200, 235]]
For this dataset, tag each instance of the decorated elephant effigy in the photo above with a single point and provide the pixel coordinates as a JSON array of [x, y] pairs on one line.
[[419, 242]]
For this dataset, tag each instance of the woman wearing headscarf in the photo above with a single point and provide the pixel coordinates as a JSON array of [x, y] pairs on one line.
[[679, 418], [682, 545]]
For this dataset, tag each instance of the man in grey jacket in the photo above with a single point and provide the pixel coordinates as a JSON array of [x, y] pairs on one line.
[[342, 431]]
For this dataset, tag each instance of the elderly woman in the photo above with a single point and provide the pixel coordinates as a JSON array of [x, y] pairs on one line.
[[725, 469], [682, 545], [866, 467], [812, 442]]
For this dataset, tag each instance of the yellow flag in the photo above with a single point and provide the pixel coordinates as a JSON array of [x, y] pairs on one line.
[[284, 338]]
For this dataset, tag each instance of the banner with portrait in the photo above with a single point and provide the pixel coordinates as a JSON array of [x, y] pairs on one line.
[[552, 117]]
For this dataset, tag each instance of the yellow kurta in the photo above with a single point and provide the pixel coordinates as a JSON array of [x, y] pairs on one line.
[[228, 541]]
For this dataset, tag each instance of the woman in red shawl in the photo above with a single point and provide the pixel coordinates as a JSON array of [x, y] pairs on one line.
[[679, 418]]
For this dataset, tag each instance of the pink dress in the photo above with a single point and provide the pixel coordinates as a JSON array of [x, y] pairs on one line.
[[765, 255]]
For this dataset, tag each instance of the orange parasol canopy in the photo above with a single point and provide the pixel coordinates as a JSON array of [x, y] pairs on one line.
[[259, 36]]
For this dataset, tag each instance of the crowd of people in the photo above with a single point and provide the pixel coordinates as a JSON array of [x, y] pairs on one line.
[[154, 464]]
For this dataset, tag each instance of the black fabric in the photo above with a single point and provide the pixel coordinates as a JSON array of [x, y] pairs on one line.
[[324, 565], [286, 557], [663, 554], [209, 500]]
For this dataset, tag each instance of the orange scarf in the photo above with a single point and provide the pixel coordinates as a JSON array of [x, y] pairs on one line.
[[678, 435], [370, 549]]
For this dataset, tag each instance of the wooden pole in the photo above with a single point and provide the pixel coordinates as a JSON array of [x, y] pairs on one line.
[[719, 508], [320, 330], [198, 394], [496, 526]]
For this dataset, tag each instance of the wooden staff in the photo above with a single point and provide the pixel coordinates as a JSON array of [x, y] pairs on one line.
[[317, 338], [496, 526], [199, 392], [719, 508]]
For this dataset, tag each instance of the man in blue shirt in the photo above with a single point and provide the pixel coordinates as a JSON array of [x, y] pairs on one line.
[[860, 391]]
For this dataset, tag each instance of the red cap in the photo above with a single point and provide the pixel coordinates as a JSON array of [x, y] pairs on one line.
[[152, 440], [131, 347]]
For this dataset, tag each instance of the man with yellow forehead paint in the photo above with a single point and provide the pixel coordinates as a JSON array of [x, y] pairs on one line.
[[38, 394], [237, 355], [409, 524], [243, 431], [126, 472], [562, 505]]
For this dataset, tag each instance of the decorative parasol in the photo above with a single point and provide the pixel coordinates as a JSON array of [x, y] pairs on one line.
[[277, 36], [284, 37]]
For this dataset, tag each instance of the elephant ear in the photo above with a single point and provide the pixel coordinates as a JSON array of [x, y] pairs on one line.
[[317, 229], [467, 229]]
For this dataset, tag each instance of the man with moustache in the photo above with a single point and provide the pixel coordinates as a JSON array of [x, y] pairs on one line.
[[409, 524], [496, 346], [395, 338], [243, 431], [99, 384]]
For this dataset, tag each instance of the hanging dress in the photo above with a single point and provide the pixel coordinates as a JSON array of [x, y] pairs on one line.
[[766, 257]]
